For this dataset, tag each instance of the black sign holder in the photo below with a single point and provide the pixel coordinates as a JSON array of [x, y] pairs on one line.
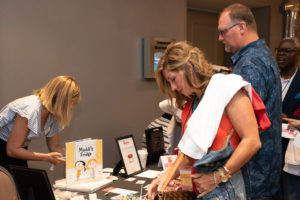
[[130, 159]]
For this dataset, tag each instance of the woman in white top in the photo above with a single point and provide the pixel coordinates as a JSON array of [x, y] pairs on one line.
[[46, 112]]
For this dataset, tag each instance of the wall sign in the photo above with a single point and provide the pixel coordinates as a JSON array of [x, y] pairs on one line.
[[154, 48]]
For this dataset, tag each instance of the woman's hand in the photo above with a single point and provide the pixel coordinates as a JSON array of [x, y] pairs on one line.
[[155, 186], [182, 161], [54, 158], [153, 189], [205, 182]]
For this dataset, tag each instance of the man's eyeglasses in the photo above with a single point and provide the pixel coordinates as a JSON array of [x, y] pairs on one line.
[[285, 50], [224, 31]]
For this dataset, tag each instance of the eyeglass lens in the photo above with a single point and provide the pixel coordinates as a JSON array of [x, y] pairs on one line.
[[285, 50], [222, 32]]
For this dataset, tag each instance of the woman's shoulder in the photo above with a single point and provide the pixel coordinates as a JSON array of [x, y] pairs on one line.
[[26, 105], [29, 98], [221, 82], [222, 77]]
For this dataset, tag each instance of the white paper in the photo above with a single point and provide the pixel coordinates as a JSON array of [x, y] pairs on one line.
[[149, 174], [297, 141], [167, 161], [290, 133], [79, 197], [93, 196], [122, 191], [118, 197], [82, 187], [110, 170], [130, 179], [140, 182]]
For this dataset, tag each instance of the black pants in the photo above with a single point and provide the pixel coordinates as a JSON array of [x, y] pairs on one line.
[[290, 186], [5, 160]]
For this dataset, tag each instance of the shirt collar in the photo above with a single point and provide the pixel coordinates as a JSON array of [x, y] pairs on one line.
[[291, 78]]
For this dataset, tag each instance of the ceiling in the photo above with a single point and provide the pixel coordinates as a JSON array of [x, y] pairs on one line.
[[219, 5]]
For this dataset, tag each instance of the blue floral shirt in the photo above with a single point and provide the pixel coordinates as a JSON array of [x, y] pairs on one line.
[[256, 64], [29, 107]]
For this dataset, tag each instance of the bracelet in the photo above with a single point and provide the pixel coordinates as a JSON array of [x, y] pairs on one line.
[[215, 179], [227, 170], [224, 177]]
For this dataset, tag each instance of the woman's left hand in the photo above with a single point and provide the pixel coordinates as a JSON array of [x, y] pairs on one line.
[[205, 183]]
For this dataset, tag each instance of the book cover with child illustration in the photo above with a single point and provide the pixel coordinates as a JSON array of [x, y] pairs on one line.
[[84, 160]]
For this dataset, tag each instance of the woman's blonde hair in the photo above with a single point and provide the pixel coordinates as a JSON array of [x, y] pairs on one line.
[[177, 57], [57, 97]]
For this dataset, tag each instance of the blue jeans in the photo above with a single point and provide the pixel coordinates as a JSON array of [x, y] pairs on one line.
[[225, 191], [211, 162]]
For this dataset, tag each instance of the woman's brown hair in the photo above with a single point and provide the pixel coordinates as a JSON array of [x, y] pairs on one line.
[[177, 57]]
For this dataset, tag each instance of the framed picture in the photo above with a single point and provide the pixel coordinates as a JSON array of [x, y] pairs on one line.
[[130, 159]]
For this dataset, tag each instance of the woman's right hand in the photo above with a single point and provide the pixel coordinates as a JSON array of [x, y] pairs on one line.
[[156, 185], [153, 188], [55, 158]]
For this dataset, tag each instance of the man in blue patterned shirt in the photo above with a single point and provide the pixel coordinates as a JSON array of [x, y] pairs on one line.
[[254, 61]]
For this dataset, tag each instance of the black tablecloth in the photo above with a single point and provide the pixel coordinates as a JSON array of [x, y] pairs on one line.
[[121, 183]]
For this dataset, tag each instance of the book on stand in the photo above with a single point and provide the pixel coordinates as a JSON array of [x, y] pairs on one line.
[[84, 166]]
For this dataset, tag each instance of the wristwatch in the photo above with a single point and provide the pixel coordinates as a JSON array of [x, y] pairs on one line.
[[224, 175]]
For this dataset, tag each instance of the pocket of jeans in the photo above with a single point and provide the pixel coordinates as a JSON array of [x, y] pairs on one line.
[[224, 191]]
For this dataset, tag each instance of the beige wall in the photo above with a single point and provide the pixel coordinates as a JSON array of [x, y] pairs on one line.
[[276, 24], [99, 43]]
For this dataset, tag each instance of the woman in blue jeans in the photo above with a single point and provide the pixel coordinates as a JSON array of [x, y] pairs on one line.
[[219, 123]]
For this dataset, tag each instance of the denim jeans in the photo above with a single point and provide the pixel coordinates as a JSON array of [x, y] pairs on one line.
[[225, 191], [231, 190]]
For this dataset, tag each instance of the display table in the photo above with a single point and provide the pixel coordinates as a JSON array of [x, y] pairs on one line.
[[128, 185], [123, 183]]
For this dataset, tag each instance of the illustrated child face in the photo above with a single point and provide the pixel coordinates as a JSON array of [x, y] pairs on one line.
[[92, 164], [79, 165]]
